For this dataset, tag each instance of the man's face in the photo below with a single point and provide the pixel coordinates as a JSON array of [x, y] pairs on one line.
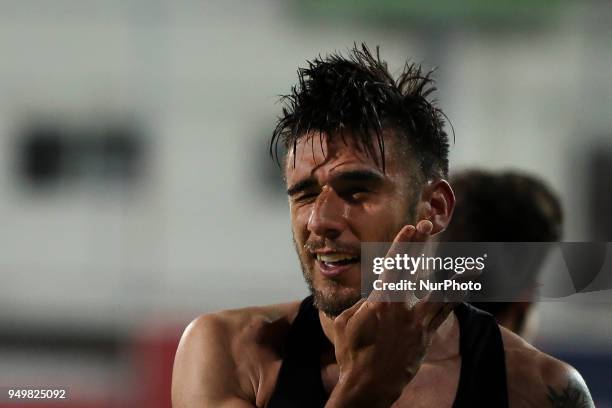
[[339, 197]]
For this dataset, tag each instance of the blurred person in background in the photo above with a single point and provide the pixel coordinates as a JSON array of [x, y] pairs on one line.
[[366, 161], [505, 207]]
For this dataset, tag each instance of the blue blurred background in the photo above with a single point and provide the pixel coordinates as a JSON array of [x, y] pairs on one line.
[[136, 192]]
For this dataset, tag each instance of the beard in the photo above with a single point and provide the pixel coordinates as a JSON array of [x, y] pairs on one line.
[[334, 298], [328, 301]]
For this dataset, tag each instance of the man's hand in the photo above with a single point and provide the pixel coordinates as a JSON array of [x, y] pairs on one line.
[[380, 345]]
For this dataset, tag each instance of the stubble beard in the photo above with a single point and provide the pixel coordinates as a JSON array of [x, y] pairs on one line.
[[334, 298]]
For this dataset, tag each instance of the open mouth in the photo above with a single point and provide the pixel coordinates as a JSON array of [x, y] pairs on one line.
[[333, 264]]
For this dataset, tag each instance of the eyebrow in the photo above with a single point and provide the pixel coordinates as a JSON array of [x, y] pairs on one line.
[[366, 176], [301, 186]]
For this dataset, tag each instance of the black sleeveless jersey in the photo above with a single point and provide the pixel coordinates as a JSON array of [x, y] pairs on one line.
[[482, 381]]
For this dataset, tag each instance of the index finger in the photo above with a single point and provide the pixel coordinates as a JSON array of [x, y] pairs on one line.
[[404, 235], [394, 273]]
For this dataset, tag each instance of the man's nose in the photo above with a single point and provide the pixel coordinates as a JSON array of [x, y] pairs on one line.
[[326, 217]]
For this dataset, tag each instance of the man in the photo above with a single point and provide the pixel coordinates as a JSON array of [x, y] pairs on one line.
[[505, 207], [366, 161]]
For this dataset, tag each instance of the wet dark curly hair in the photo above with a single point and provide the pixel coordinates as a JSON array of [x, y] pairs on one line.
[[358, 94]]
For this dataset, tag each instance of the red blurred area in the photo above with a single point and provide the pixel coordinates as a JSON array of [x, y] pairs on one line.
[[151, 353]]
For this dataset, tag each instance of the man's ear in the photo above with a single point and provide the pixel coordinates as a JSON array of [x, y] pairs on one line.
[[437, 204]]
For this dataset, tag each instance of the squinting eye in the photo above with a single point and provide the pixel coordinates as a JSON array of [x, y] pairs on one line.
[[307, 197], [355, 194]]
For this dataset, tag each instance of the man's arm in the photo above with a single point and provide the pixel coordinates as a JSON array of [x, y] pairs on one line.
[[205, 374], [565, 387], [536, 379], [575, 395]]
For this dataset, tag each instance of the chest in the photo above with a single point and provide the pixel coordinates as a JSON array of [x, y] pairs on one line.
[[435, 384]]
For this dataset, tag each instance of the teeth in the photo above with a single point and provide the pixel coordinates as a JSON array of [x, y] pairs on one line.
[[334, 257]]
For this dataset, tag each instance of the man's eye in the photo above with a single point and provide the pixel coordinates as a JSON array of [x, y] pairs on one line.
[[307, 197], [355, 193]]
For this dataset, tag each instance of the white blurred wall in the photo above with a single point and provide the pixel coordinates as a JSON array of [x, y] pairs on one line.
[[197, 233]]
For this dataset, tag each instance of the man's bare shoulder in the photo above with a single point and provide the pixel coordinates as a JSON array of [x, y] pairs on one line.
[[257, 325], [210, 367], [536, 379]]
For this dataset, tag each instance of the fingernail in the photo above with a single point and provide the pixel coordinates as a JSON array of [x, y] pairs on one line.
[[421, 227], [408, 229]]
